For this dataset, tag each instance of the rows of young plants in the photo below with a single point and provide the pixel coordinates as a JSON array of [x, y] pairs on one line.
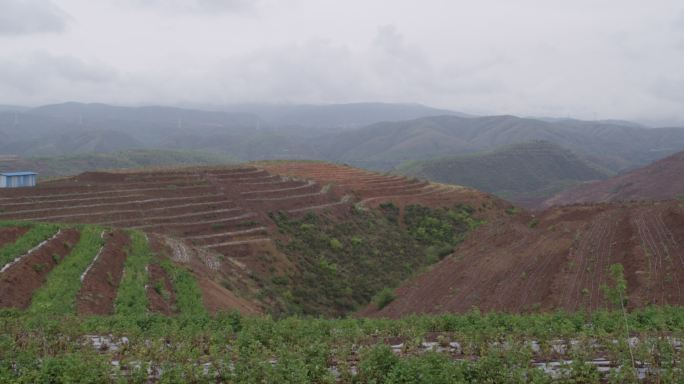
[[36, 235], [491, 348], [58, 294], [131, 298]]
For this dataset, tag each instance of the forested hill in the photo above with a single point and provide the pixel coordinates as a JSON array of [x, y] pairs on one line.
[[518, 172]]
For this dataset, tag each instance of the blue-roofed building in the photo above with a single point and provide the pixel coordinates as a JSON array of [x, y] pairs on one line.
[[17, 179]]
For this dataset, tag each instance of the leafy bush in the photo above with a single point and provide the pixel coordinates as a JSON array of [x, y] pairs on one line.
[[383, 298], [376, 364]]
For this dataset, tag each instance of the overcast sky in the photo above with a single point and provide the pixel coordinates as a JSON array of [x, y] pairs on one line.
[[581, 58]]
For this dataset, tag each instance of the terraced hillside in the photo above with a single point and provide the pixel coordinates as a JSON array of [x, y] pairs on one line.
[[559, 260], [233, 226], [59, 269]]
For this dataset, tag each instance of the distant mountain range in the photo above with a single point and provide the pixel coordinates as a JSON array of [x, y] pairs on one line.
[[67, 165], [615, 147], [522, 173], [336, 116], [371, 135]]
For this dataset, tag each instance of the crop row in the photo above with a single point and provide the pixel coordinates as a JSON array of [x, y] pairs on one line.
[[35, 236], [473, 347], [63, 287], [58, 295]]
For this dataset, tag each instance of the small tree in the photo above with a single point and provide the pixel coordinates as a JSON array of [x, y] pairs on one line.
[[617, 293]]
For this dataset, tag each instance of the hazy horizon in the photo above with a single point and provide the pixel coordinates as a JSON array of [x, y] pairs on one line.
[[585, 60]]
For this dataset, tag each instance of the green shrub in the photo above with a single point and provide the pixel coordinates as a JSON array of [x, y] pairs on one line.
[[512, 210], [376, 364], [335, 244], [383, 298]]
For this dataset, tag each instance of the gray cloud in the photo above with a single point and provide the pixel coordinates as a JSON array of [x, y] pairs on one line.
[[39, 73], [608, 59], [21, 17], [197, 6]]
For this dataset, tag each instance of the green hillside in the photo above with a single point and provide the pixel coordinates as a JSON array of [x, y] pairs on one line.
[[517, 172], [386, 145], [135, 158]]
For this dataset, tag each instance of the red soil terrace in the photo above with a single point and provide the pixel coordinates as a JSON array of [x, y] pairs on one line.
[[214, 220]]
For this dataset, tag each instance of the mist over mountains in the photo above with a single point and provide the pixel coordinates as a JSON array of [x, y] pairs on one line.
[[377, 136]]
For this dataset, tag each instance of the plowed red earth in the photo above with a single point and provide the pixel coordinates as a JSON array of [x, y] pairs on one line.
[[661, 180], [10, 235], [561, 263], [101, 281], [22, 279]]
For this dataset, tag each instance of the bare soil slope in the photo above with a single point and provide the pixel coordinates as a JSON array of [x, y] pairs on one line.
[[661, 180], [559, 260]]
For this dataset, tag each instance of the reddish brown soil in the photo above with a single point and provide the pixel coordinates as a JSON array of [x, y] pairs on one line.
[[561, 263], [160, 291], [10, 235], [216, 298], [100, 283], [21, 280], [661, 180]]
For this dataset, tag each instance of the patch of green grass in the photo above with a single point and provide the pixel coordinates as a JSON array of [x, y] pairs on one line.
[[131, 297], [188, 293]]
